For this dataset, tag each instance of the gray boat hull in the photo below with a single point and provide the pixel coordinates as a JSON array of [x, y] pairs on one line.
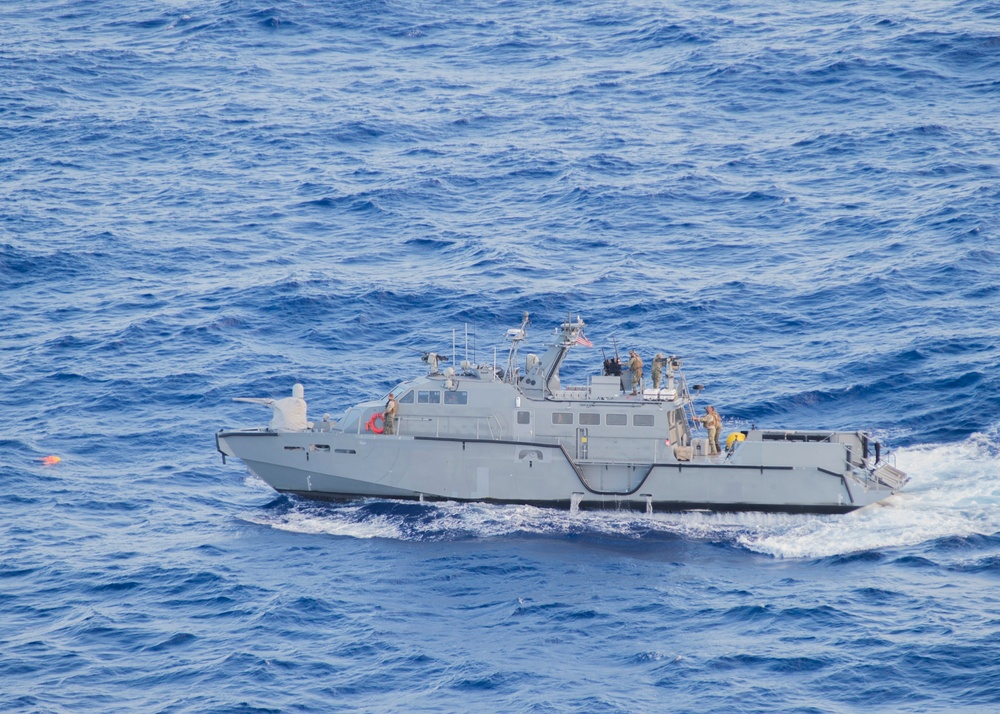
[[337, 466]]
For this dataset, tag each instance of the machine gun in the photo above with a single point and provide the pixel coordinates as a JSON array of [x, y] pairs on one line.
[[612, 367], [431, 358]]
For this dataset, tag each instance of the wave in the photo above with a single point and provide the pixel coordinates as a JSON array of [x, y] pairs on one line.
[[953, 493]]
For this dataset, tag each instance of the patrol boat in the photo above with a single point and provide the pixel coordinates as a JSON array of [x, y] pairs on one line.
[[507, 434]]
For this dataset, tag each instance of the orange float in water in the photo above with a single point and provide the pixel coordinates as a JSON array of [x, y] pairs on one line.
[[51, 460]]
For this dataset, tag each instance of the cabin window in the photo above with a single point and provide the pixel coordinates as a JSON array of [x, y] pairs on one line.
[[406, 398], [295, 448], [319, 447], [456, 397], [590, 418], [429, 397], [524, 417], [562, 418], [616, 420], [642, 420]]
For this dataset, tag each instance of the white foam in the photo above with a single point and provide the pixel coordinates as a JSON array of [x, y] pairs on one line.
[[954, 490], [320, 521]]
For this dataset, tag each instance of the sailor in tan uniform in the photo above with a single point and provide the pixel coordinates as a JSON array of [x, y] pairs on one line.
[[391, 407], [635, 364], [713, 425]]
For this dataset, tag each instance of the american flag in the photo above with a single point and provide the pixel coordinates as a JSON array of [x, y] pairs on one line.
[[581, 340]]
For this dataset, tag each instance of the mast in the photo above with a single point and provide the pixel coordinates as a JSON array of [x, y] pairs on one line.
[[545, 374], [516, 335]]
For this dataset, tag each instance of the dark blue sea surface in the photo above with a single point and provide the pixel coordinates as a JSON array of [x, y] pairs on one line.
[[201, 201]]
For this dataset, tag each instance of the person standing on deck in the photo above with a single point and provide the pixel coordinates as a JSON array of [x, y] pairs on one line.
[[713, 425], [635, 364], [391, 407], [657, 369]]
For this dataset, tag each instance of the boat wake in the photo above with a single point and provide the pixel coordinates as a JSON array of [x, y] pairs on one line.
[[954, 492]]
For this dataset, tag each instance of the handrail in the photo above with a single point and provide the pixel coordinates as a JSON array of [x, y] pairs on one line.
[[490, 420], [493, 427]]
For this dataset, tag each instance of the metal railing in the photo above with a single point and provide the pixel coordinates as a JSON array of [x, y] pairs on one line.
[[487, 427]]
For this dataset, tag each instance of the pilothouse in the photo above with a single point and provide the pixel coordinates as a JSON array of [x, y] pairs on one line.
[[516, 434]]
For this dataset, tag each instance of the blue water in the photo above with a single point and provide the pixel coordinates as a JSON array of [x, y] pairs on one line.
[[209, 200]]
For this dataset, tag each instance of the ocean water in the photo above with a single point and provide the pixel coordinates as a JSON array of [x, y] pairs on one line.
[[201, 201]]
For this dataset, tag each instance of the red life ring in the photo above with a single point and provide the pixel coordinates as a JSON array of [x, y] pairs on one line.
[[370, 426]]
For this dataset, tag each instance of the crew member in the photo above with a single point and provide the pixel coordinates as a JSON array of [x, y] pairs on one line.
[[657, 369], [391, 407], [635, 364], [713, 425]]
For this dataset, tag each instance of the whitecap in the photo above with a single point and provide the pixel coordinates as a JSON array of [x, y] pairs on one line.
[[953, 491], [310, 519]]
